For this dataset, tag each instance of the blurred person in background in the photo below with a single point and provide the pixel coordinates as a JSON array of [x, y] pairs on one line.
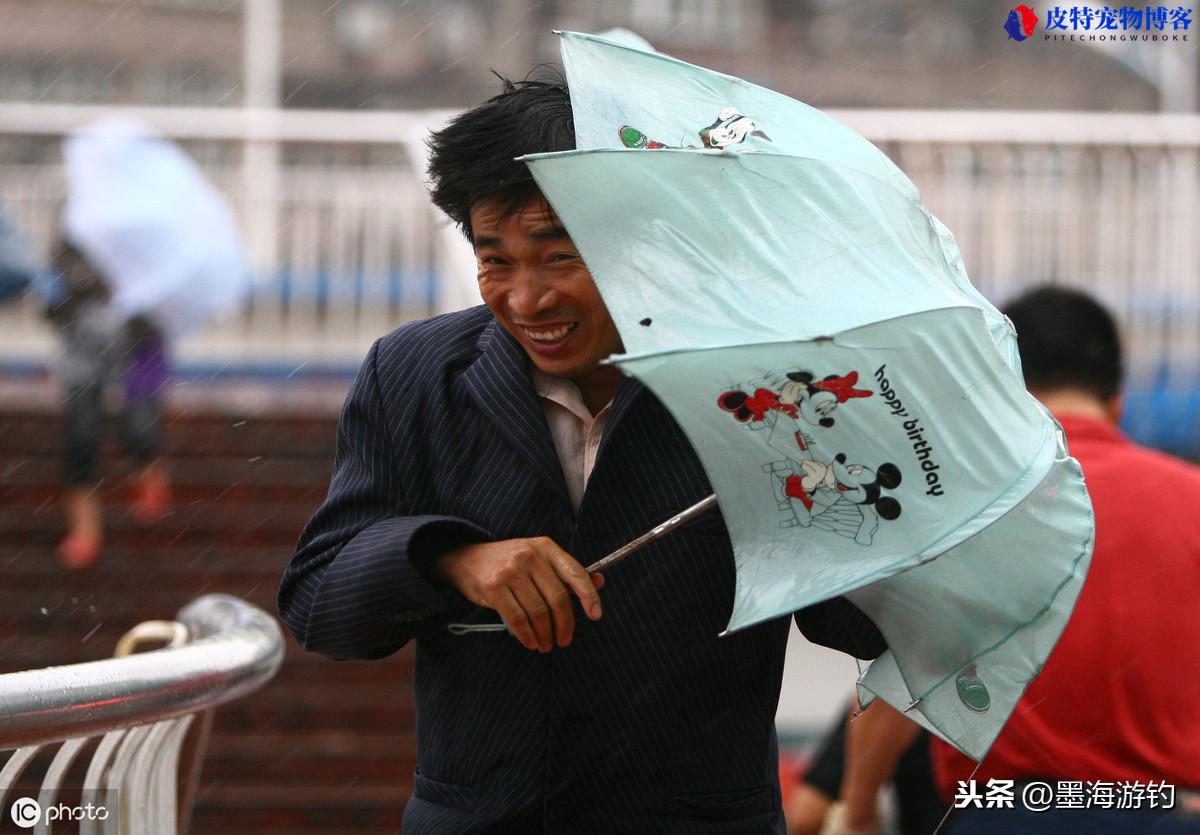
[[1112, 716], [101, 348], [838, 794]]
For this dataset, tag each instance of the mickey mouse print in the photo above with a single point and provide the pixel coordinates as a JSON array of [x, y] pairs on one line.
[[811, 486]]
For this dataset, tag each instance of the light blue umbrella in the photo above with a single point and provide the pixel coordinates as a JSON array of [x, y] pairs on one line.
[[857, 405], [145, 215]]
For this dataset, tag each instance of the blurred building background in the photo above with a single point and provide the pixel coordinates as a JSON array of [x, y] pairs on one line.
[[404, 54], [1076, 163]]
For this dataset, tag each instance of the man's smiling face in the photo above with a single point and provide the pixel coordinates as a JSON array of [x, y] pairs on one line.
[[535, 283]]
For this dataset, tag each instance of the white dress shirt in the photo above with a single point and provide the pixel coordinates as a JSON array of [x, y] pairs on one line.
[[575, 431]]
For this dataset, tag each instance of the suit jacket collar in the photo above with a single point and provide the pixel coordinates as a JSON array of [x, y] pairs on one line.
[[499, 382], [627, 394]]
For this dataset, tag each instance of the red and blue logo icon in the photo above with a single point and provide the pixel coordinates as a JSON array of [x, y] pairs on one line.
[[1020, 24]]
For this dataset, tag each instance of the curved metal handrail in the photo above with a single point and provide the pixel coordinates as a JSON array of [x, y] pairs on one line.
[[235, 649]]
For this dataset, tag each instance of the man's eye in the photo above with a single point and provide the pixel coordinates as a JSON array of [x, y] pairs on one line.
[[492, 261], [564, 256]]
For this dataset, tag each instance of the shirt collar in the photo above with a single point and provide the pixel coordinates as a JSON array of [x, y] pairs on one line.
[[1085, 426], [562, 391]]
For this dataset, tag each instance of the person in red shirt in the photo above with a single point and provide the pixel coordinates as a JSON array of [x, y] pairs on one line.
[[1117, 705], [1115, 713]]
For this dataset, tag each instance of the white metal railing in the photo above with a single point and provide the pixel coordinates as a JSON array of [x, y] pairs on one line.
[[137, 710], [1106, 201]]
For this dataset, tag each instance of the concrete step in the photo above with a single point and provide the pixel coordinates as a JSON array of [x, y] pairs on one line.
[[32, 433], [202, 475], [229, 523], [325, 747]]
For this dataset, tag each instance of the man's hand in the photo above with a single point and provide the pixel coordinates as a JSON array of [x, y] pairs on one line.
[[529, 582]]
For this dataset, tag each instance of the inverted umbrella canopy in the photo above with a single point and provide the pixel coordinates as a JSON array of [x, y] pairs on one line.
[[626, 97], [781, 288], [159, 232]]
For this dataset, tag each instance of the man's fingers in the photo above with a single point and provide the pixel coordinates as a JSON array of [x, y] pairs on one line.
[[537, 610], [573, 574], [598, 581], [513, 613], [559, 599], [577, 578]]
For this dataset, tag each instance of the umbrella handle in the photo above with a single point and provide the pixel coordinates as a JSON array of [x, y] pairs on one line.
[[468, 628], [655, 533]]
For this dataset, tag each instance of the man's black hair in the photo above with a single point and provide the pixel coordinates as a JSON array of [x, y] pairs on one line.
[[474, 157], [1067, 340]]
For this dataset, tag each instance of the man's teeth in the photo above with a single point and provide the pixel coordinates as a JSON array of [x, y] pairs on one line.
[[550, 335]]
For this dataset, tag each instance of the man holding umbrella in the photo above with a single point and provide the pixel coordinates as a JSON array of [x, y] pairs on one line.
[[483, 459]]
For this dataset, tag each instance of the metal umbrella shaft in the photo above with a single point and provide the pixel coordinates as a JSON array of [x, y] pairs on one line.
[[654, 534]]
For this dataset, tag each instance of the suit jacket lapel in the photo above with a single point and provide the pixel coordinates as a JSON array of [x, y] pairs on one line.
[[499, 383], [627, 394]]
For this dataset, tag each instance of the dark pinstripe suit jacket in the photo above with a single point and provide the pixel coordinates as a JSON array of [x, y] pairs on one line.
[[648, 722]]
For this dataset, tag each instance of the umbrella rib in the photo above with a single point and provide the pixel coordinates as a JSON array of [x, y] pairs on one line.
[[623, 359]]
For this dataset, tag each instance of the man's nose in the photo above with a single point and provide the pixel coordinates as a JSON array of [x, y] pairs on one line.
[[530, 294]]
